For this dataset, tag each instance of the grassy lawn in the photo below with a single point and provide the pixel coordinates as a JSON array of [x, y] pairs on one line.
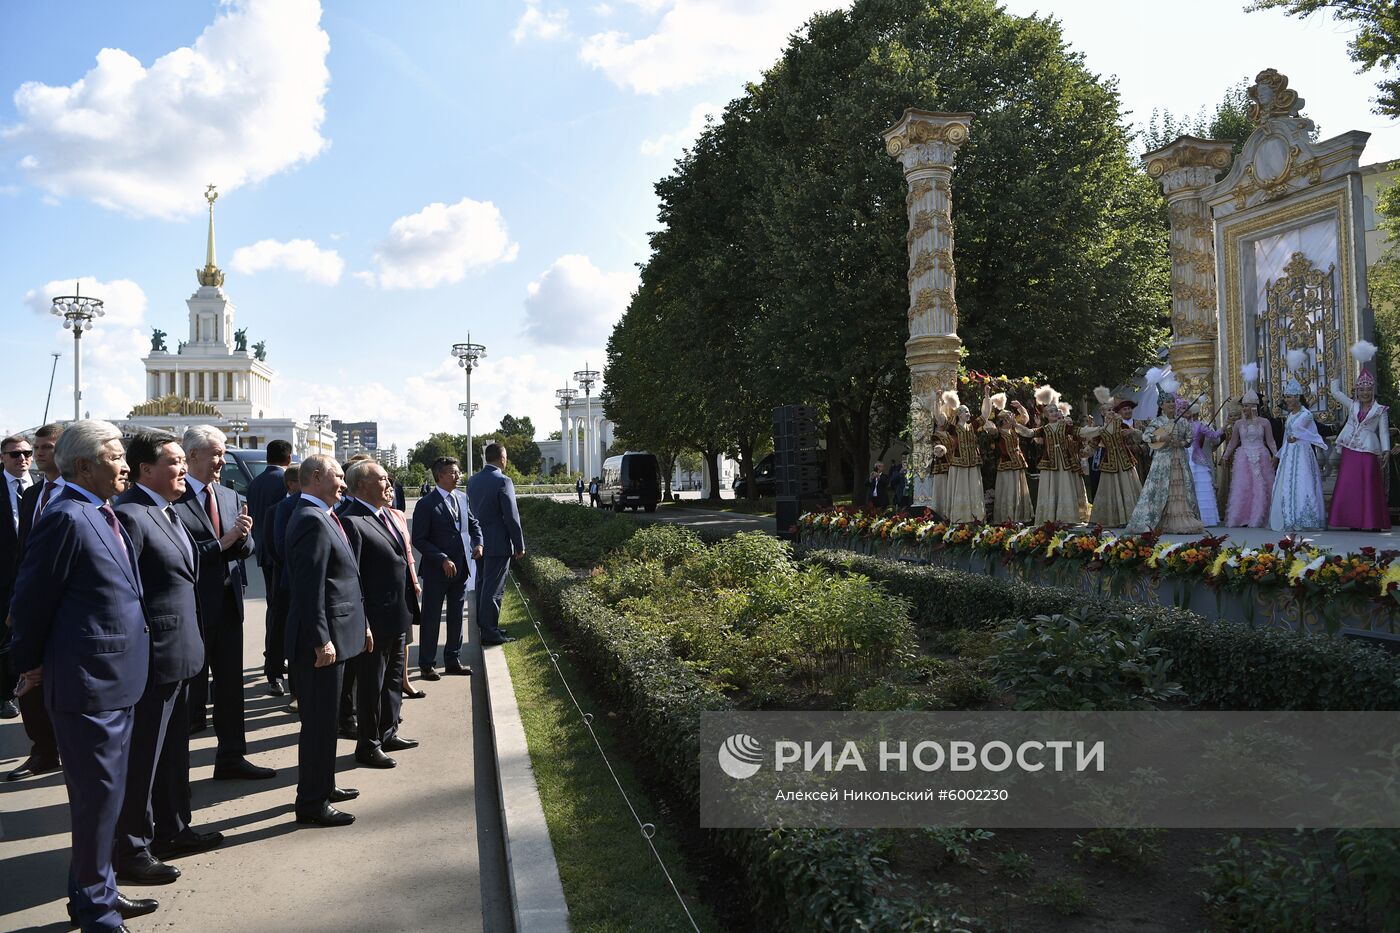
[[611, 881]]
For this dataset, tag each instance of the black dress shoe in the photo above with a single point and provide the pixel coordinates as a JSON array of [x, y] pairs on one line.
[[144, 868], [428, 673], [32, 767], [8, 710], [491, 642], [137, 907], [241, 770], [375, 758], [398, 743], [276, 687], [189, 842], [411, 694], [327, 815], [342, 794], [348, 730], [459, 670]]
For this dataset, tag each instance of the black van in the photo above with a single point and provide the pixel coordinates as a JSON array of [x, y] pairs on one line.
[[630, 481]]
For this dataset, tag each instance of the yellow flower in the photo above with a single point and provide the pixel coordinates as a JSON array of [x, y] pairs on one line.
[[1295, 570], [1219, 563]]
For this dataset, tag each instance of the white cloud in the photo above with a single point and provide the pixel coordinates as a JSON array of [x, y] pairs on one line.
[[535, 23], [113, 380], [323, 266], [673, 143], [576, 304], [240, 104], [440, 243], [697, 40], [426, 404]]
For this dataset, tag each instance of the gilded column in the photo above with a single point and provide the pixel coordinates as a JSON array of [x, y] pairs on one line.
[[926, 144], [1184, 168]]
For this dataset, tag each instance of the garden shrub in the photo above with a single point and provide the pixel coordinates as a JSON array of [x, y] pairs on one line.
[[1220, 664], [667, 544], [577, 536]]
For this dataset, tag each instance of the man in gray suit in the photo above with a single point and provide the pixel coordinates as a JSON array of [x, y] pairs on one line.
[[492, 496]]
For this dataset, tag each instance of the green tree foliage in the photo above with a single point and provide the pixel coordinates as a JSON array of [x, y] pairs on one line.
[[1230, 120], [1374, 45], [779, 272], [518, 427], [439, 445]]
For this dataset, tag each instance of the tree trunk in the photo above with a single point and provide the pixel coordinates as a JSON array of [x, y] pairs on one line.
[[854, 424], [712, 456], [746, 468]]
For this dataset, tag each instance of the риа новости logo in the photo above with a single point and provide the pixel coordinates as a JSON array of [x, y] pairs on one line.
[[740, 756]]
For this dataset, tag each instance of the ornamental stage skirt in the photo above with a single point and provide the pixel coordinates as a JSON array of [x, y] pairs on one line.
[[1115, 498], [966, 502], [1061, 498], [1359, 500], [1012, 502], [1203, 477]]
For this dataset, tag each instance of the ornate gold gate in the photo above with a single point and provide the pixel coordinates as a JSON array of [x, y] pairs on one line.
[[1300, 313]]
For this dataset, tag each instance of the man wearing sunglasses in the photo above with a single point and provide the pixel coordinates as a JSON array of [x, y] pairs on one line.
[[18, 454]]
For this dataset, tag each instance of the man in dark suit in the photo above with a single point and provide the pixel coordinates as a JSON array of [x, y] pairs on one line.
[[16, 453], [219, 524], [80, 634], [277, 542], [443, 526], [391, 604], [266, 490], [492, 495], [43, 752], [327, 627]]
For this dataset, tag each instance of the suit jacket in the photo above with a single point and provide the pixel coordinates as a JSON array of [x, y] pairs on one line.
[[266, 490], [437, 538], [167, 569], [398, 502], [493, 500], [78, 611], [217, 576], [326, 603], [277, 541], [28, 506], [391, 603], [9, 536]]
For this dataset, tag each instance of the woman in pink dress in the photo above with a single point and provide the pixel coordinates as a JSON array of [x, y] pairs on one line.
[[1252, 469], [1359, 500]]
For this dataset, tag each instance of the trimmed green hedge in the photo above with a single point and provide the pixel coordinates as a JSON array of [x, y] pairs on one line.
[[1220, 664], [799, 879], [568, 532]]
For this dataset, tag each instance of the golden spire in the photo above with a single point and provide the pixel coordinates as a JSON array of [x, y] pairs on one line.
[[211, 274]]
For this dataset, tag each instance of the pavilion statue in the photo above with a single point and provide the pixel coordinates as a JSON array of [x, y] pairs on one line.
[[158, 340]]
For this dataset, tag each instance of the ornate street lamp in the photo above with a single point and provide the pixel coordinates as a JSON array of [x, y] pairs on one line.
[[567, 396], [237, 427], [319, 421], [587, 379], [77, 313], [468, 357]]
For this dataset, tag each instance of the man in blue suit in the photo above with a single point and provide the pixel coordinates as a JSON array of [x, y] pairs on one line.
[[80, 631], [220, 526], [157, 804], [277, 543], [327, 628], [266, 490], [444, 532], [492, 495]]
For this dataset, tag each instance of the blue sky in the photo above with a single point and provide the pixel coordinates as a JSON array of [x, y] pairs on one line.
[[394, 176]]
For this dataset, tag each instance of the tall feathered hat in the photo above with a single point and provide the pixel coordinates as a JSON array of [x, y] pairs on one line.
[[1151, 386], [1295, 360], [1250, 373], [998, 401], [948, 403], [1363, 351], [1046, 397], [1104, 396]]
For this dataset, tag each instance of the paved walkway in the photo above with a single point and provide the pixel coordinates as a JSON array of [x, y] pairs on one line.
[[425, 851]]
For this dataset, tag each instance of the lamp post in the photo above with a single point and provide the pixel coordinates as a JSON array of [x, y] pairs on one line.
[[468, 357], [236, 427], [77, 313], [587, 379], [567, 396], [319, 422]]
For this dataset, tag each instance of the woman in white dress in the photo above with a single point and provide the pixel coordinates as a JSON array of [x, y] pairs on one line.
[[1203, 440], [1297, 504]]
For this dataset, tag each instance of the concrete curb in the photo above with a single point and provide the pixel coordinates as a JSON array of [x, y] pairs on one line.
[[537, 894]]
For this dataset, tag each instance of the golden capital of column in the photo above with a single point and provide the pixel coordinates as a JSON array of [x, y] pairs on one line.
[[924, 139], [931, 349], [1188, 163]]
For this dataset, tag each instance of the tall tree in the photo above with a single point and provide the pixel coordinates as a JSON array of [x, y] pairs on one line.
[[518, 427], [1230, 120], [1375, 44]]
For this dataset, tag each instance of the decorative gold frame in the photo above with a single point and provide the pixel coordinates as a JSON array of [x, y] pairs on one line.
[[1232, 310]]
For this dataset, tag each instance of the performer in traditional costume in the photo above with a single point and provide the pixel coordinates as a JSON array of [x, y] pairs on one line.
[[1168, 501], [942, 441], [966, 497], [1297, 504], [1251, 454], [1060, 496], [1203, 439], [1119, 486], [1011, 500], [1359, 500]]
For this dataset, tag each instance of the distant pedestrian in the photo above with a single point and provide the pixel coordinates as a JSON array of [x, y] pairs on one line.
[[595, 501], [578, 487], [877, 487], [899, 479]]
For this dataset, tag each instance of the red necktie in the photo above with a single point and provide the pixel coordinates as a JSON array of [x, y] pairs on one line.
[[111, 517], [49, 487], [212, 510], [336, 518], [389, 526]]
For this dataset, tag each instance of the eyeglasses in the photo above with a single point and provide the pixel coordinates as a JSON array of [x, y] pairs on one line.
[[19, 454]]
